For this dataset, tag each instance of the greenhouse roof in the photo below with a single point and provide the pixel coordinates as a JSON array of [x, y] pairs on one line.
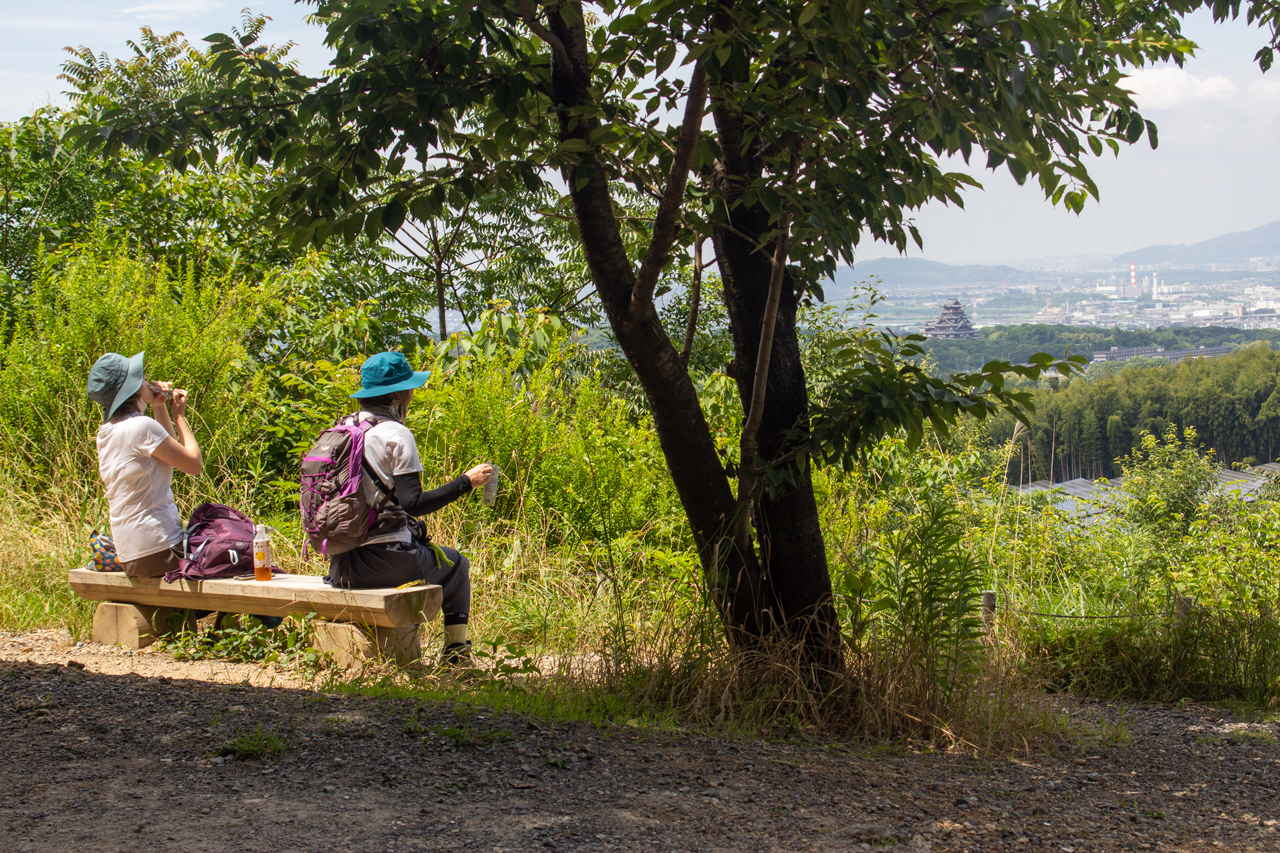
[[1084, 498]]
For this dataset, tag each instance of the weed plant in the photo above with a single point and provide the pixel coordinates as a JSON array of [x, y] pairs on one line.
[[259, 743], [1170, 592], [245, 639]]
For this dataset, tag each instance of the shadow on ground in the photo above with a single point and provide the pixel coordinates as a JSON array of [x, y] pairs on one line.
[[131, 763]]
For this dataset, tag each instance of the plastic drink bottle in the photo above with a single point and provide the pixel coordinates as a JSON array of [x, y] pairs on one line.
[[491, 489], [263, 558]]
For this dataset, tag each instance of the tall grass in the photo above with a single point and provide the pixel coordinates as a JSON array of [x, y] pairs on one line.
[[1171, 592], [586, 562]]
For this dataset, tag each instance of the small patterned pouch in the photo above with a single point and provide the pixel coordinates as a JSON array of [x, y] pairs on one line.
[[104, 557]]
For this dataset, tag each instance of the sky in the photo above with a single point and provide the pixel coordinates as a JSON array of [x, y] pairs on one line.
[[1216, 171], [32, 35]]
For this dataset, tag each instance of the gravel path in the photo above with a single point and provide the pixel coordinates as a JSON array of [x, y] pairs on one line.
[[113, 751]]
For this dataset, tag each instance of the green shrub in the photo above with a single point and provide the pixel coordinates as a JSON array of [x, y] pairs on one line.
[[94, 302]]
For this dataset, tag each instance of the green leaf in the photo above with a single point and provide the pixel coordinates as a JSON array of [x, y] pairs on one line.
[[373, 226], [393, 216], [575, 146]]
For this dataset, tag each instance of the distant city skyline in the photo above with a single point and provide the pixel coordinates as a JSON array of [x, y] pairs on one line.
[[1215, 172]]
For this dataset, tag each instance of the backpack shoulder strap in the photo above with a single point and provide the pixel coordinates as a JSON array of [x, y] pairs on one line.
[[388, 493], [353, 419], [366, 425]]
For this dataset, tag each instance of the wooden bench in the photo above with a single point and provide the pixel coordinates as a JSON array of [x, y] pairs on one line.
[[354, 624]]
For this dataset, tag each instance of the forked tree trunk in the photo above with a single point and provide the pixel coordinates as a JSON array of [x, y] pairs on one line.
[[687, 444], [792, 553], [792, 593]]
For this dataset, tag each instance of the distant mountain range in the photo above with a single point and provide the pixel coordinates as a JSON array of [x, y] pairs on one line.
[[897, 272], [1263, 242], [1235, 248]]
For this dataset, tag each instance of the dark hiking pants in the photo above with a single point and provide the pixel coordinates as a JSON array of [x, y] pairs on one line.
[[390, 564]]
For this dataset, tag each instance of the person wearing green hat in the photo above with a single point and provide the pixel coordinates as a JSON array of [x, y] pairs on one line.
[[137, 455], [392, 481]]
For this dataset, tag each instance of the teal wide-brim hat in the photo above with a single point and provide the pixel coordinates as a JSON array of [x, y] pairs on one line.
[[387, 373], [114, 379]]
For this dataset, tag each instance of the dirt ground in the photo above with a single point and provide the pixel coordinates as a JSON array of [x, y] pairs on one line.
[[109, 750]]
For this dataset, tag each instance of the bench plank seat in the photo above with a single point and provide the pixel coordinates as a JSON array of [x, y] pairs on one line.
[[282, 595]]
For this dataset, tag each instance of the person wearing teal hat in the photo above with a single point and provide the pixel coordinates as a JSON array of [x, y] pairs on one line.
[[399, 552], [137, 455]]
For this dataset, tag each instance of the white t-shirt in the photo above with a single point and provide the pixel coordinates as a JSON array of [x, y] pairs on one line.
[[144, 519], [389, 451]]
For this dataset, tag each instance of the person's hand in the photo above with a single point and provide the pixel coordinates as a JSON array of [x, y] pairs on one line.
[[179, 400], [156, 394], [480, 475]]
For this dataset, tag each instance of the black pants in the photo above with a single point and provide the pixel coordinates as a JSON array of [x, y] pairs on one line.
[[390, 564]]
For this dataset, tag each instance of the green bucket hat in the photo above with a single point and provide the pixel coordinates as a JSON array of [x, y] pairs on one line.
[[114, 379], [387, 373]]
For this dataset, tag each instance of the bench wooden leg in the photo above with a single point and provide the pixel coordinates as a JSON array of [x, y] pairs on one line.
[[130, 625], [352, 645]]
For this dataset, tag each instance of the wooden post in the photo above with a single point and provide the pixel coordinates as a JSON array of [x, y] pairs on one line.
[[130, 625], [989, 609], [352, 645]]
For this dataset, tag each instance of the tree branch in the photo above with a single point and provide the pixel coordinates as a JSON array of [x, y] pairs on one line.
[[536, 27], [459, 227], [664, 224], [418, 242], [749, 444], [694, 298], [419, 258]]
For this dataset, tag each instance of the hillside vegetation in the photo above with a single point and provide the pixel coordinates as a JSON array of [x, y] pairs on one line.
[[586, 555], [745, 514]]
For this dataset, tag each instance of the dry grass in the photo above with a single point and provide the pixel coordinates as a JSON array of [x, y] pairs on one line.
[[39, 543], [609, 642]]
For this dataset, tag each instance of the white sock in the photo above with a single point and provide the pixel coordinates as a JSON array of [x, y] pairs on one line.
[[455, 634]]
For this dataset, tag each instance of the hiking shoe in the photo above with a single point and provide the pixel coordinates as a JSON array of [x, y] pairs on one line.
[[456, 656]]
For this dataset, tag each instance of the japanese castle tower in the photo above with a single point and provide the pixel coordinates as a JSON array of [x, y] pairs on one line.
[[952, 324]]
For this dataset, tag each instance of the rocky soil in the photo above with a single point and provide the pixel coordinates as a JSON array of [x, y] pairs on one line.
[[108, 750]]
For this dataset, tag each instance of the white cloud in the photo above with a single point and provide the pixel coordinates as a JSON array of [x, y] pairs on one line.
[[164, 13], [1166, 88], [1265, 90]]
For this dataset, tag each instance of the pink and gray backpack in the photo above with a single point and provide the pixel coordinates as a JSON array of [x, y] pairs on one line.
[[336, 516]]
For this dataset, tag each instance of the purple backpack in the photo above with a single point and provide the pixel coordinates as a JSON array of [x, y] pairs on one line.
[[336, 516], [219, 545]]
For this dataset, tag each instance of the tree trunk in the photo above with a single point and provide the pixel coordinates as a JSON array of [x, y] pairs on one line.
[[439, 258], [788, 585], [696, 470], [792, 553], [695, 301]]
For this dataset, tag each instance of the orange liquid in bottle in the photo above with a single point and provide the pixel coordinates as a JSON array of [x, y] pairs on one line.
[[263, 554]]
